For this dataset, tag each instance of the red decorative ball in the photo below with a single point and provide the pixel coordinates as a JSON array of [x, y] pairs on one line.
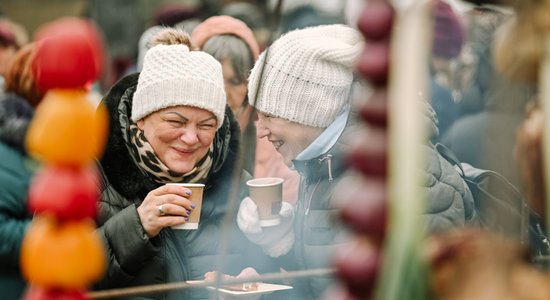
[[376, 21], [366, 209], [67, 193], [358, 264], [374, 63], [374, 111], [69, 54], [39, 293]]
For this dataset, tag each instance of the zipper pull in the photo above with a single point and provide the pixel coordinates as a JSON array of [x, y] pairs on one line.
[[328, 158]]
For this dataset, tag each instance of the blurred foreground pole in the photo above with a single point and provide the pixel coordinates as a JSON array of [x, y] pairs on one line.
[[544, 99], [404, 274], [522, 54]]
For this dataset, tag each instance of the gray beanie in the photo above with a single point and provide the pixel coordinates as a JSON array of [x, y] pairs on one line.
[[308, 75], [172, 75]]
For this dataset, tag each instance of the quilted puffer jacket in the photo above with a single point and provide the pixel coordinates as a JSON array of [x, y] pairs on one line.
[[318, 233], [450, 203]]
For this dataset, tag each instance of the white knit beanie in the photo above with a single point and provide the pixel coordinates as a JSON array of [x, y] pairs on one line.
[[308, 75], [172, 75]]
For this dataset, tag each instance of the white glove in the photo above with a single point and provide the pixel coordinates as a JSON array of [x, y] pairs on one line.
[[275, 240]]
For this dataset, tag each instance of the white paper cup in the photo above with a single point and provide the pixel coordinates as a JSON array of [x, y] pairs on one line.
[[196, 197], [267, 193]]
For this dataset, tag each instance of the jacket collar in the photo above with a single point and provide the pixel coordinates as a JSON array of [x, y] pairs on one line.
[[327, 166], [328, 162]]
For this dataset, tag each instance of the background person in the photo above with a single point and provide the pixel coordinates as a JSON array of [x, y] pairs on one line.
[[232, 43], [16, 168], [12, 37], [303, 109], [303, 102]]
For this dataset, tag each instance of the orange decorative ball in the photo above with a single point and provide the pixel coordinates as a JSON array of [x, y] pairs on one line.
[[67, 255], [66, 129]]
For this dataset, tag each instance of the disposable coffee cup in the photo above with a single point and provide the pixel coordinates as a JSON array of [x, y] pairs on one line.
[[195, 197], [267, 193]]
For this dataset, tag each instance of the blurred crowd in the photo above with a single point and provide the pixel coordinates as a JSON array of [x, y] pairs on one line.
[[219, 92]]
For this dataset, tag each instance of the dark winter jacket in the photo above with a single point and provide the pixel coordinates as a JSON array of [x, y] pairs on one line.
[[16, 170], [173, 255]]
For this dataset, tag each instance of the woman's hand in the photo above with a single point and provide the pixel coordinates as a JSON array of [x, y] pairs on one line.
[[164, 207], [248, 272], [274, 240]]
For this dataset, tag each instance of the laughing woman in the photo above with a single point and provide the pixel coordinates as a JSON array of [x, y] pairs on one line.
[[303, 99], [168, 124]]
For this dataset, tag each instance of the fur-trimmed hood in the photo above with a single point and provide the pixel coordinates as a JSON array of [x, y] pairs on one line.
[[119, 167]]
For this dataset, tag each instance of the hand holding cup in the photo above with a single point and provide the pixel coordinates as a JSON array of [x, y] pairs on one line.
[[165, 206], [267, 194], [192, 222]]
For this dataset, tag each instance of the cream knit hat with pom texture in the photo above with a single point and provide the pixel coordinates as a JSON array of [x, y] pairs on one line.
[[308, 75], [172, 75]]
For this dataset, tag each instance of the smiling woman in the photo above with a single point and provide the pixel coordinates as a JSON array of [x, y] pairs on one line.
[[303, 99], [170, 124], [180, 136], [288, 138]]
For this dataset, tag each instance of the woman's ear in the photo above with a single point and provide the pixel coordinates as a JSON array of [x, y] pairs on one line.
[[140, 124]]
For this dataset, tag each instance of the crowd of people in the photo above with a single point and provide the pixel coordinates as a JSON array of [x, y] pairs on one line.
[[210, 100]]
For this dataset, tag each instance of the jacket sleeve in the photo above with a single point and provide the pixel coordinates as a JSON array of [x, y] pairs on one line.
[[449, 201], [13, 225], [127, 246]]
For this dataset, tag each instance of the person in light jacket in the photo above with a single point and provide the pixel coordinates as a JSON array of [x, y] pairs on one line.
[[303, 99]]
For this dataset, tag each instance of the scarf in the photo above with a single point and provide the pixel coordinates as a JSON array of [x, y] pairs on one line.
[[146, 158], [151, 166]]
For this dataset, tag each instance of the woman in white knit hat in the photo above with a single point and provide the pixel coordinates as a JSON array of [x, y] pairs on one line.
[[169, 123], [302, 97]]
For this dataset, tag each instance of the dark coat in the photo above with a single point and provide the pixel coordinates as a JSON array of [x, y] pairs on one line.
[[173, 255], [16, 170]]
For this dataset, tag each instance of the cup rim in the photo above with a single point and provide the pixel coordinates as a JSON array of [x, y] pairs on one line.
[[186, 226], [276, 181], [186, 184]]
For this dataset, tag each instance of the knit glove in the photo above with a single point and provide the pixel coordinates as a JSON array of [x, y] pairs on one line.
[[275, 240]]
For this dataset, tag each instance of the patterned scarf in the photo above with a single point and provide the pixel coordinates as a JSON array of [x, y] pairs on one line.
[[151, 166], [157, 170]]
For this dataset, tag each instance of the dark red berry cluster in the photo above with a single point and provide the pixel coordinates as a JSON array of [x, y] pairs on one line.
[[365, 209]]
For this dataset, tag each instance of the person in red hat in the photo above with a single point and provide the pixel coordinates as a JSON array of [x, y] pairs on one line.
[[233, 44]]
